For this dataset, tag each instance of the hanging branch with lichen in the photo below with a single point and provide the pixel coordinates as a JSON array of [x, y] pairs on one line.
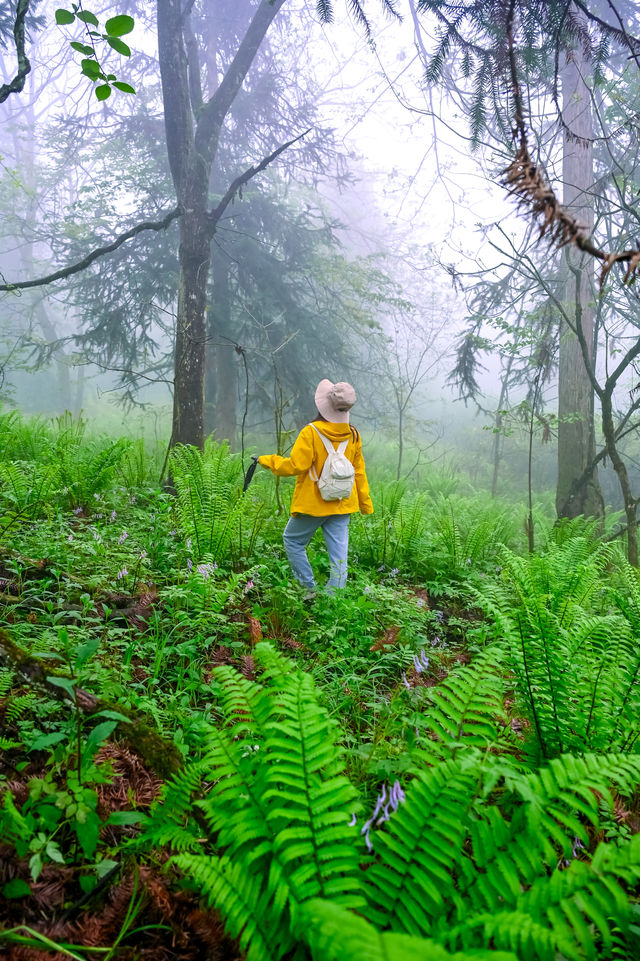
[[527, 183]]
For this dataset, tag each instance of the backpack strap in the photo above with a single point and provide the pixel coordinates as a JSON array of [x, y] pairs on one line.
[[330, 449]]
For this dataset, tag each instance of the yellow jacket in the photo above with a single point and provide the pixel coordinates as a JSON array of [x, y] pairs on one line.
[[309, 450]]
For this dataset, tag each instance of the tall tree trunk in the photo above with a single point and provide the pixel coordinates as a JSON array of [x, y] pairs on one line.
[[576, 436], [223, 354], [193, 127]]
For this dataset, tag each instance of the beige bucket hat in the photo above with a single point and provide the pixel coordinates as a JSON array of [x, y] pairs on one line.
[[334, 401]]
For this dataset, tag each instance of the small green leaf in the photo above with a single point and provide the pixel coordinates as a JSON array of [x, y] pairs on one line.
[[103, 867], [64, 17], [16, 889], [91, 68], [87, 17], [54, 852], [88, 832], [124, 817], [118, 26], [82, 48], [87, 650], [99, 734], [103, 91], [35, 865], [125, 87], [65, 683], [119, 46], [113, 716], [47, 740], [87, 882]]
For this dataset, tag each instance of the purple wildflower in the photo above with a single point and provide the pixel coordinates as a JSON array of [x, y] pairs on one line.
[[577, 847], [206, 570], [353, 821], [420, 662], [122, 573], [188, 543], [248, 586], [77, 510], [113, 516], [405, 681], [439, 615], [396, 570], [189, 564], [122, 537], [70, 538], [385, 803]]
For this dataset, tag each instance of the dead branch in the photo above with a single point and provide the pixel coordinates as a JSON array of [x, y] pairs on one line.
[[236, 187], [526, 182]]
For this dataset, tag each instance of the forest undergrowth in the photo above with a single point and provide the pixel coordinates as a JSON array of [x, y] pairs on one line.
[[439, 762]]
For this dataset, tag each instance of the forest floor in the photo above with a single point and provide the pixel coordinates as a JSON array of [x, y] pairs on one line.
[[135, 623]]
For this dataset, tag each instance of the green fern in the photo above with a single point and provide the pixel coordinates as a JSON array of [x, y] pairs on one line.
[[88, 468], [466, 708], [467, 533], [481, 854], [208, 487], [27, 487], [413, 881], [7, 677], [334, 934], [277, 807], [15, 707], [479, 857], [575, 668]]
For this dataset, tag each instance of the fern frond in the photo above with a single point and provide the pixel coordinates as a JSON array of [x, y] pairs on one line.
[[465, 707], [413, 880], [253, 912], [7, 677], [171, 818], [311, 798], [574, 914], [334, 934]]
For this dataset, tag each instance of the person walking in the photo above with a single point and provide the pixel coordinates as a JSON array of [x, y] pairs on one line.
[[331, 485]]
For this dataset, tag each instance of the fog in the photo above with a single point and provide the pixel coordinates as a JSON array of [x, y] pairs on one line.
[[372, 249]]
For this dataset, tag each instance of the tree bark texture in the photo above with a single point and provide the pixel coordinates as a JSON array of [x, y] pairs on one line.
[[192, 143], [576, 435], [223, 354]]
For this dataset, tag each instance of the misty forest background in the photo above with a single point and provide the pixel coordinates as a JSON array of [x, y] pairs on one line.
[[205, 208]]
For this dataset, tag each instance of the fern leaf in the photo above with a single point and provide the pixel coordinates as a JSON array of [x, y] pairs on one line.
[[334, 934], [413, 879], [244, 903]]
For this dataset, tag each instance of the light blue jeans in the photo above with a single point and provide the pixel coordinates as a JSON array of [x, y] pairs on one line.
[[297, 534]]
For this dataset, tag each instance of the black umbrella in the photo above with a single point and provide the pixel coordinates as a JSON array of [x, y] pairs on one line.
[[250, 472]]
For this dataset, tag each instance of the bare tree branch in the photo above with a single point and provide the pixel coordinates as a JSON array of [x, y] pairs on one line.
[[95, 254], [24, 67], [214, 215]]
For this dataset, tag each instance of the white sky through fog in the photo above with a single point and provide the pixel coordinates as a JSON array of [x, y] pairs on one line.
[[427, 185]]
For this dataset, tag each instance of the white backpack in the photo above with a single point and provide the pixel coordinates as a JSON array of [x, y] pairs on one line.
[[338, 473]]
